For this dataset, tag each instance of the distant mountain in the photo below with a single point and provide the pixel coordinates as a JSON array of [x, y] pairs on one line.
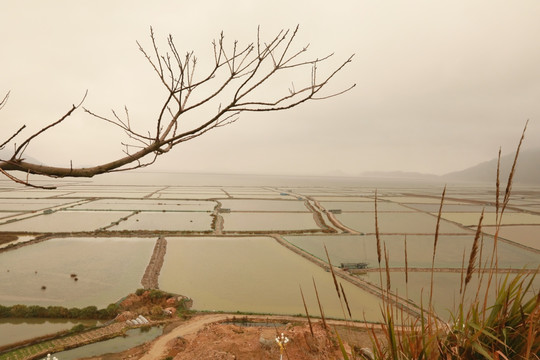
[[6, 155], [527, 169]]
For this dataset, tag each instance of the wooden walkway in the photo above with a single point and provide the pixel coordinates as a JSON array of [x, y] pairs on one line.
[[40, 350]]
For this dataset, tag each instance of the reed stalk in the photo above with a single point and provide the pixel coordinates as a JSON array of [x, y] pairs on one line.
[[320, 306], [473, 255], [406, 270], [462, 273], [387, 268], [508, 190], [307, 313], [332, 272], [509, 328], [346, 301], [474, 251], [378, 239], [437, 226]]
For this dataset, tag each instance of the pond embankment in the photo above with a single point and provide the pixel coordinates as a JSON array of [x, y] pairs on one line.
[[151, 274]]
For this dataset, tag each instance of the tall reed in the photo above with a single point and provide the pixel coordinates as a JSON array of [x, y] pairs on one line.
[[506, 328]]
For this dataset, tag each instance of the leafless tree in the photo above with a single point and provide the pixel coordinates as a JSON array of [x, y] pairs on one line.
[[237, 82]]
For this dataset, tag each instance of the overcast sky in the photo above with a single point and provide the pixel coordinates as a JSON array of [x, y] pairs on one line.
[[440, 84]]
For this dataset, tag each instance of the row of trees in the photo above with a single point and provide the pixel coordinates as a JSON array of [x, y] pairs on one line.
[[58, 312], [241, 79]]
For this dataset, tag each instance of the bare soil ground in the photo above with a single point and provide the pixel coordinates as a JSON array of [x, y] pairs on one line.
[[208, 337]]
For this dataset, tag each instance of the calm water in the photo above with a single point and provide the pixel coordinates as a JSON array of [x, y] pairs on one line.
[[450, 249], [268, 221], [471, 219], [528, 235], [134, 337], [446, 288], [14, 330], [107, 269], [405, 222], [254, 275], [66, 221], [245, 273], [364, 206], [179, 221], [147, 205], [264, 205]]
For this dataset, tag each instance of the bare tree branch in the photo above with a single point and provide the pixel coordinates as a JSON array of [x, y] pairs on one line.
[[232, 85], [25, 183], [20, 149], [12, 136], [4, 100]]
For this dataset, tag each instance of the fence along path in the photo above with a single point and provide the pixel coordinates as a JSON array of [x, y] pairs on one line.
[[41, 349]]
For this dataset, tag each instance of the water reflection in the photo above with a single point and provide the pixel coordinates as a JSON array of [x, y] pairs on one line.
[[14, 329], [254, 274], [134, 337], [107, 269]]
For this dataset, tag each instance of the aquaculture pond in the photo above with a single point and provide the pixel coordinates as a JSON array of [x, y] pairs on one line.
[[254, 274], [418, 199], [344, 198], [471, 219], [527, 235], [184, 196], [231, 268], [32, 194], [133, 337], [363, 206], [147, 205], [65, 221], [106, 269], [269, 221], [446, 287], [398, 222], [264, 205], [13, 330], [176, 221], [450, 208], [450, 249], [32, 204], [119, 194]]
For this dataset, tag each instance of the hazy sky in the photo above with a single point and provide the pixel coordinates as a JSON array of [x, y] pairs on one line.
[[440, 84]]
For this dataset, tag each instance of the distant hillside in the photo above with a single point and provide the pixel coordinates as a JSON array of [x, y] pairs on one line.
[[528, 169], [6, 155]]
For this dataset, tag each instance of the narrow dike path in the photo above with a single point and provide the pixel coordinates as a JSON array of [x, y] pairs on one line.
[[318, 217], [151, 274], [364, 285]]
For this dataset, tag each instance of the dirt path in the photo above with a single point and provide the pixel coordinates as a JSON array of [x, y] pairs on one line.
[[158, 348], [218, 219], [151, 275], [339, 225], [318, 217]]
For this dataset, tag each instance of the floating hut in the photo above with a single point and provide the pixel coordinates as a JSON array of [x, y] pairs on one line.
[[359, 265]]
